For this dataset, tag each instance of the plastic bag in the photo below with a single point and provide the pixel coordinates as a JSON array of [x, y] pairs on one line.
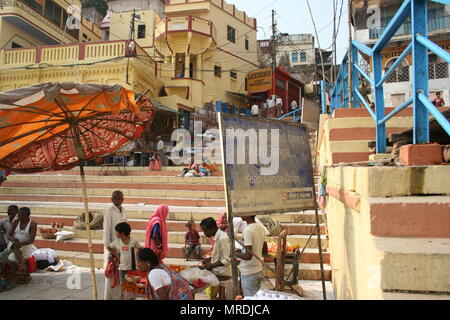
[[64, 235], [195, 273]]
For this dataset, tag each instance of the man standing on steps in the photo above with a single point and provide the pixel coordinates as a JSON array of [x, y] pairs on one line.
[[251, 269], [113, 216]]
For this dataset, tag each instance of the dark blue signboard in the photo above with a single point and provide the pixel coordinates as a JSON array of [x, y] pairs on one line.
[[268, 167]]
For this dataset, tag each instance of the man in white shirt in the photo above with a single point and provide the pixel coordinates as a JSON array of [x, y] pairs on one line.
[[250, 267], [271, 106], [113, 216], [279, 103], [255, 110], [294, 105], [5, 226], [220, 261], [162, 153]]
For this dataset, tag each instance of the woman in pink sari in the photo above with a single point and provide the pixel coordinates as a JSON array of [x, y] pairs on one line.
[[156, 237]]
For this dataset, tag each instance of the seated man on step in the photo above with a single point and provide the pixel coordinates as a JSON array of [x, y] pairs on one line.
[[22, 235]]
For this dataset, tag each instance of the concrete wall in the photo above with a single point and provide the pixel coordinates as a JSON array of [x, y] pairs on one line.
[[389, 232]]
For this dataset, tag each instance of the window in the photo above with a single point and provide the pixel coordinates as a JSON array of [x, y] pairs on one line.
[[295, 56], [15, 45], [53, 12], [141, 31], [247, 43], [233, 75], [231, 34], [49, 5], [36, 5], [303, 56], [218, 71], [264, 44]]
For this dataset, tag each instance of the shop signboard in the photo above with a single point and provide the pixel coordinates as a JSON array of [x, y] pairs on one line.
[[268, 166], [259, 81]]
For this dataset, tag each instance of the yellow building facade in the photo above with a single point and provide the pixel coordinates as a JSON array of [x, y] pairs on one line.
[[96, 62], [207, 48], [189, 53]]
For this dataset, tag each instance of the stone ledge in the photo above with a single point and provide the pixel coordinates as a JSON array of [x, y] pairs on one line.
[[413, 264], [409, 217], [391, 181]]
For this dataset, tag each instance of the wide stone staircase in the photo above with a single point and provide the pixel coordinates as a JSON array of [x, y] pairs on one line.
[[56, 197]]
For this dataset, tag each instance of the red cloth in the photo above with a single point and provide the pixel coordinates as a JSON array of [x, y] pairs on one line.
[[112, 271], [192, 238], [222, 220], [159, 217], [31, 264], [199, 283], [438, 102], [155, 165]]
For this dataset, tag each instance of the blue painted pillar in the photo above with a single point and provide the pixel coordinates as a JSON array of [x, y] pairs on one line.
[[324, 103], [337, 95], [225, 107], [379, 102], [219, 106], [355, 76], [420, 70], [345, 84]]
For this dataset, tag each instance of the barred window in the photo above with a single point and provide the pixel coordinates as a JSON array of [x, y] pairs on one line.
[[438, 71]]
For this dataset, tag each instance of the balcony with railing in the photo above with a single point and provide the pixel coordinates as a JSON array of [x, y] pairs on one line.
[[111, 62], [434, 24], [79, 53], [177, 34]]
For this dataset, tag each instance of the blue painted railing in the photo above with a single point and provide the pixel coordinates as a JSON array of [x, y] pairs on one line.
[[419, 47], [296, 114]]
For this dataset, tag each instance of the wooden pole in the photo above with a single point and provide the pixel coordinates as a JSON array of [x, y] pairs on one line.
[[234, 268], [88, 230], [80, 155], [319, 240]]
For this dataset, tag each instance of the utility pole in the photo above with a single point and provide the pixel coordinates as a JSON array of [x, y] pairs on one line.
[[350, 58], [131, 42], [274, 52], [333, 77]]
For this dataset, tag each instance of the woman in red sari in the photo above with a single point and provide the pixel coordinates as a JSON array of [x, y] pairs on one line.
[[156, 237]]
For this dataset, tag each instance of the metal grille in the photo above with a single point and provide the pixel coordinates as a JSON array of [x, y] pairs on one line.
[[399, 75], [438, 71]]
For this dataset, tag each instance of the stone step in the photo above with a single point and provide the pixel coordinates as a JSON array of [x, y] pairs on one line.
[[175, 250], [141, 224], [178, 237], [117, 186], [306, 271], [353, 134], [114, 171], [115, 179], [362, 112], [140, 169], [412, 265], [97, 192], [15, 198], [71, 210]]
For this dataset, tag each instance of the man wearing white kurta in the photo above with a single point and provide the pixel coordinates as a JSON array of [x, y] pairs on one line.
[[113, 216]]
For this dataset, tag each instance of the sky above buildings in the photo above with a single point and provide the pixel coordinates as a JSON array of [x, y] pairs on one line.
[[293, 17]]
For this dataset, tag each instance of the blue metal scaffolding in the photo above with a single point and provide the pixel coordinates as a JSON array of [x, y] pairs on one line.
[[419, 47]]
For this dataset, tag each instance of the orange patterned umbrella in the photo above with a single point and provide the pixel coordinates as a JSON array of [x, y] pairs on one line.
[[54, 126]]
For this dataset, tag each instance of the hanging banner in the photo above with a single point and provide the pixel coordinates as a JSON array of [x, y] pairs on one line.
[[268, 166], [259, 81]]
